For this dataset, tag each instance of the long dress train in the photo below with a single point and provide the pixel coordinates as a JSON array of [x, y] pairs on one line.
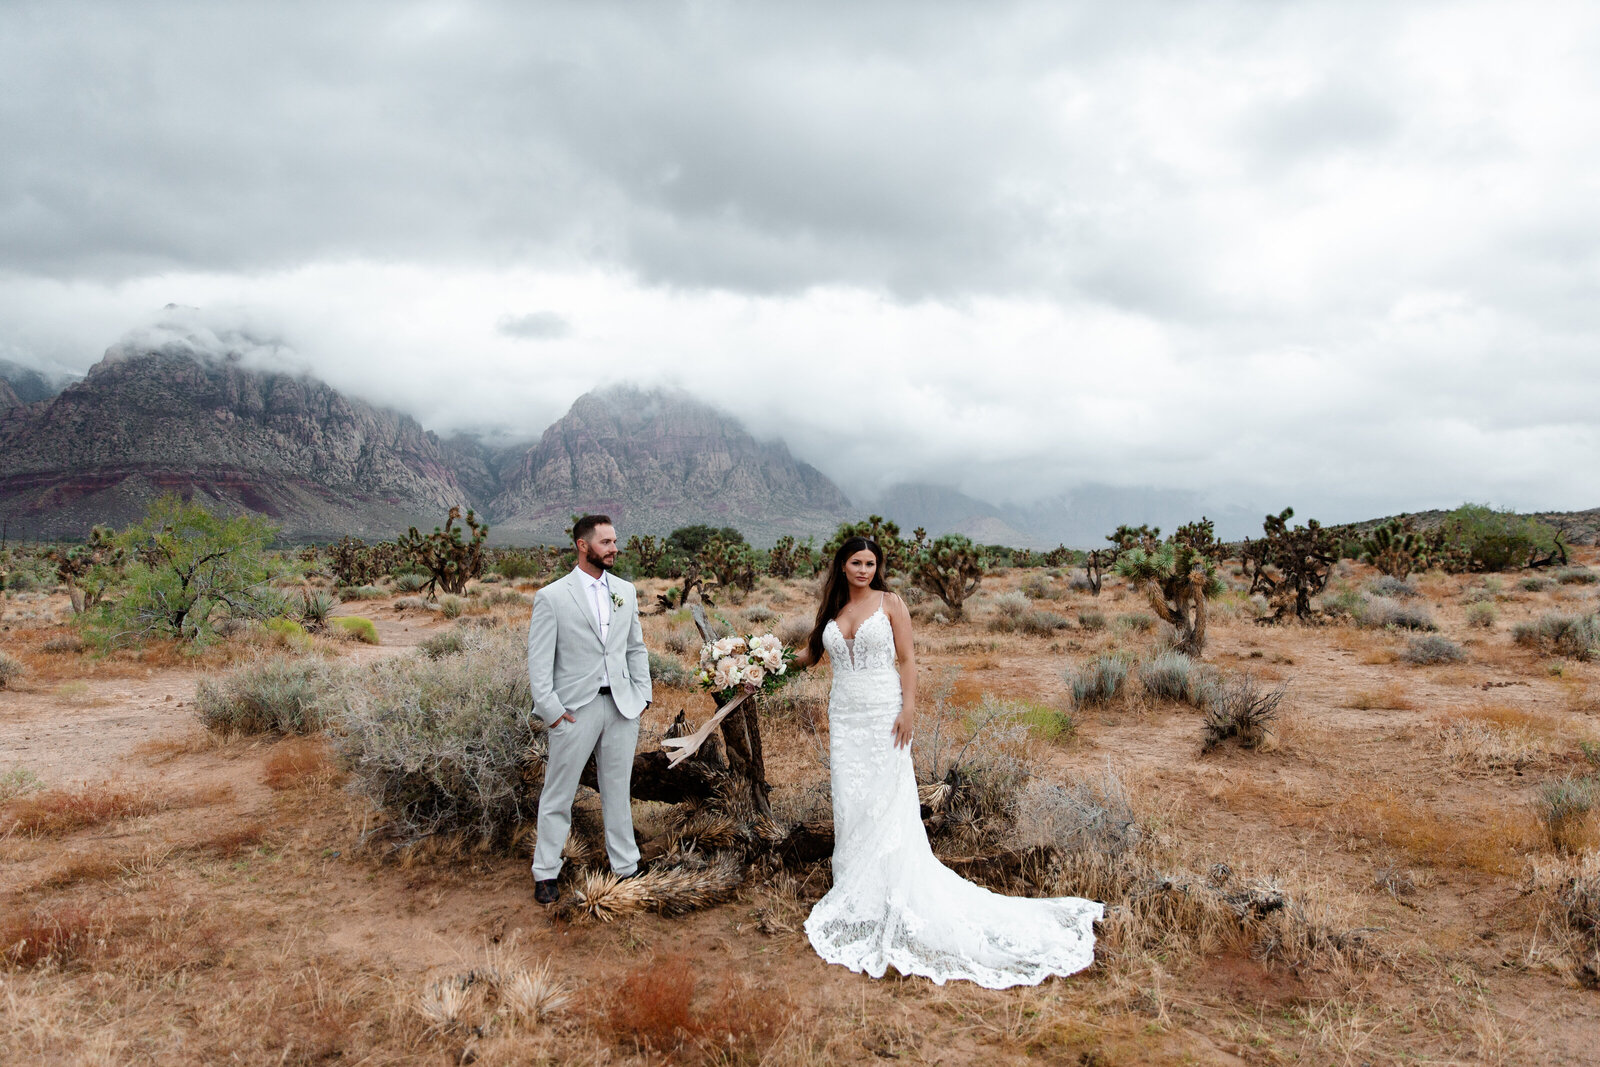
[[892, 902]]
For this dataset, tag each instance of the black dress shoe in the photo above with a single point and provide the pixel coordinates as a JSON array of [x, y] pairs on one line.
[[637, 871], [544, 891]]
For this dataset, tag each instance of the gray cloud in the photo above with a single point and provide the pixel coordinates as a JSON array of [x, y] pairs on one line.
[[534, 326], [1336, 247]]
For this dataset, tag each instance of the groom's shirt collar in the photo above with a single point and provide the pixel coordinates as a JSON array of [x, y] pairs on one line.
[[586, 581]]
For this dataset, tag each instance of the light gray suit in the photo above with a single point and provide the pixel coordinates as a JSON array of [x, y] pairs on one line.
[[567, 665]]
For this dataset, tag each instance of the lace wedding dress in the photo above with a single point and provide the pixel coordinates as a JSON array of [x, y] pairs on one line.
[[893, 904]]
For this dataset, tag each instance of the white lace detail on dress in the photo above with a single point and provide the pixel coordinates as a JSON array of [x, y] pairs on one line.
[[892, 902]]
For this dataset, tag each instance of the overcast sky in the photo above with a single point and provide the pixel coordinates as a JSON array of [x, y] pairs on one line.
[[1342, 255]]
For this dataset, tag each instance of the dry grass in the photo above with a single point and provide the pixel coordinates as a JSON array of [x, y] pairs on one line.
[[56, 937], [298, 763], [1389, 696], [58, 812], [655, 1010]]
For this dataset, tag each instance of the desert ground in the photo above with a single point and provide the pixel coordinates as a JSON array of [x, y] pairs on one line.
[[172, 895]]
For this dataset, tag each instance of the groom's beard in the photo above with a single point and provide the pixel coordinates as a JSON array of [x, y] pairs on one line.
[[593, 557]]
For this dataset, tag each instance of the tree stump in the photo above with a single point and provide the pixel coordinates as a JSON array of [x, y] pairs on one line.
[[741, 737]]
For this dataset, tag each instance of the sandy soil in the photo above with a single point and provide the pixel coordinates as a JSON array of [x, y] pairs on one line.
[[253, 929]]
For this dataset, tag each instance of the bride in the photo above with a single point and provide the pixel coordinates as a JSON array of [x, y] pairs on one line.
[[892, 903]]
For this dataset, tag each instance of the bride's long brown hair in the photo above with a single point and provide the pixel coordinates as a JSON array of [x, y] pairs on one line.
[[836, 590]]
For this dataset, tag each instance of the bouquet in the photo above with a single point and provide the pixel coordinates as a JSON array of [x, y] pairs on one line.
[[734, 669], [753, 663]]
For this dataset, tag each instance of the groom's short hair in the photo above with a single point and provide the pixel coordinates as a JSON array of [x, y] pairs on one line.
[[585, 526]]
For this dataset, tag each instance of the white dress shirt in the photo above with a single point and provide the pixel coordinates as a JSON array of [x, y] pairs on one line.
[[599, 594]]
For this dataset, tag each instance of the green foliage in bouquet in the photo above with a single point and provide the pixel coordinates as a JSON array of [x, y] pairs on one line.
[[449, 561], [949, 567], [184, 565], [1178, 575]]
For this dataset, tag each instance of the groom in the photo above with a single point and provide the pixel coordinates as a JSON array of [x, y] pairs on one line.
[[591, 681]]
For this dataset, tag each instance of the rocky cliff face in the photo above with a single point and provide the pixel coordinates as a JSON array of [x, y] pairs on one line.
[[655, 461], [292, 448], [8, 396]]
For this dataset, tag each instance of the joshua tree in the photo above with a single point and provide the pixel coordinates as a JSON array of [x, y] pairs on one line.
[[1059, 556], [647, 551], [354, 562], [450, 562], [950, 567], [1178, 575], [896, 552], [1396, 548], [733, 563], [90, 569], [1285, 561], [783, 559]]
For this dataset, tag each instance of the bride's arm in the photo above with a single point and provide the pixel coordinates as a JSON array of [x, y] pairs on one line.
[[906, 663], [802, 659]]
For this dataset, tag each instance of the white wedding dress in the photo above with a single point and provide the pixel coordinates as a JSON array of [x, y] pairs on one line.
[[893, 904]]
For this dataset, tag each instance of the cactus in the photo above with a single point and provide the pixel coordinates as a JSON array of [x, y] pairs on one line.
[[449, 561], [1178, 575], [1395, 548], [897, 554], [647, 552], [354, 562], [784, 558], [88, 570], [1060, 556], [732, 563], [1287, 562], [949, 567]]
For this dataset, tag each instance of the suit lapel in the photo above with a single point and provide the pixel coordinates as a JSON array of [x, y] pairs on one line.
[[580, 596]]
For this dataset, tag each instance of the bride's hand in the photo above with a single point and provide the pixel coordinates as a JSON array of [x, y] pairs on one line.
[[902, 729]]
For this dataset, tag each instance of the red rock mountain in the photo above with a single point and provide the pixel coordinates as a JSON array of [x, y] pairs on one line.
[[152, 421], [655, 461]]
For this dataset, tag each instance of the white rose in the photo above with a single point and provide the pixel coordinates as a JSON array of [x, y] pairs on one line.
[[753, 675], [772, 659], [722, 647]]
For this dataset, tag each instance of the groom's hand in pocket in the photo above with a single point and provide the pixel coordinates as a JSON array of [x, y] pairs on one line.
[[566, 716]]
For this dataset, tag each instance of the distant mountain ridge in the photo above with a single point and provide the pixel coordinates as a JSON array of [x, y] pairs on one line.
[[654, 461], [1078, 519], [174, 420]]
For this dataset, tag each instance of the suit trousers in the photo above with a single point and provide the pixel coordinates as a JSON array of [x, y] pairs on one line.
[[600, 730]]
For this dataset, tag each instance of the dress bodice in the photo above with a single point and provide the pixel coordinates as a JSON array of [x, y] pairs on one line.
[[872, 648]]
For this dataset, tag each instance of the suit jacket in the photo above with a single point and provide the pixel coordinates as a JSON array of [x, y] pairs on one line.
[[567, 664]]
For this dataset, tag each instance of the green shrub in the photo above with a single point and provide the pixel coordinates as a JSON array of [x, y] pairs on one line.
[[1497, 540], [1136, 622], [1092, 620], [1576, 576], [1431, 649], [410, 582], [1342, 602], [1174, 676], [10, 669], [1039, 587], [513, 568], [288, 633], [1482, 615], [361, 592], [184, 565], [759, 615], [362, 630], [1563, 808], [1379, 613], [274, 694], [451, 745], [671, 671], [444, 643], [1389, 586], [1533, 583], [1011, 605], [1040, 623], [1571, 636], [1047, 723], [451, 606], [1097, 682]]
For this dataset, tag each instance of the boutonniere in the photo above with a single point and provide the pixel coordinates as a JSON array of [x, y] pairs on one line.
[[616, 601]]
